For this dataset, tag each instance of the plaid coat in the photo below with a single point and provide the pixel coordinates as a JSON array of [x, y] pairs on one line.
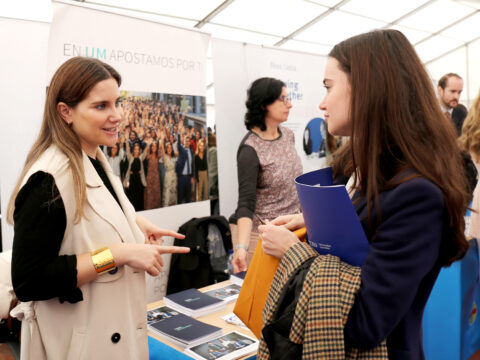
[[328, 293]]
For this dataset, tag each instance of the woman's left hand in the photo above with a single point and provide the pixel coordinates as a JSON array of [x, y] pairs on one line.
[[276, 240], [153, 233]]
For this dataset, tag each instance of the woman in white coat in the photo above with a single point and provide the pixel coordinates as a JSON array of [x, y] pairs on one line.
[[80, 252]]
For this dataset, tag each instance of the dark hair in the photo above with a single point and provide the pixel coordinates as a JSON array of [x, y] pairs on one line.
[[262, 92], [133, 132], [443, 80], [397, 124], [150, 148], [109, 149]]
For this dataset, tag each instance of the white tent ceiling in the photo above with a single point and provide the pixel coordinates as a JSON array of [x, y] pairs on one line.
[[442, 31], [435, 27], [445, 33]]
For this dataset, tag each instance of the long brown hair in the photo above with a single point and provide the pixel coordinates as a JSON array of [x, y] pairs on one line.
[[397, 124], [470, 139], [70, 84], [197, 150]]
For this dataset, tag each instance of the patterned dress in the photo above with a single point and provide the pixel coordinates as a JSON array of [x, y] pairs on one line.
[[153, 196], [266, 173], [170, 182], [276, 165]]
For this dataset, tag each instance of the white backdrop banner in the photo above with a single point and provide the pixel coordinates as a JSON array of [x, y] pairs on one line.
[[22, 90], [235, 66], [151, 57], [158, 64]]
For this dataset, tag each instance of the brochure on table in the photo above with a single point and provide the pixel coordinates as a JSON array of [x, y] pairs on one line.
[[228, 293], [238, 277], [180, 329], [193, 302], [227, 347]]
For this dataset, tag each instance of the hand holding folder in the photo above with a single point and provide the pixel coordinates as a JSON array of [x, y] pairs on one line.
[[333, 228]]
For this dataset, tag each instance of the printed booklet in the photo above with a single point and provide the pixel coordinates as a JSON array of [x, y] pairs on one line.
[[227, 347], [227, 293], [180, 329], [238, 278], [194, 303]]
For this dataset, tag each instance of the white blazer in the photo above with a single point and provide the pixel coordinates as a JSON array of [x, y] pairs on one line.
[[110, 322]]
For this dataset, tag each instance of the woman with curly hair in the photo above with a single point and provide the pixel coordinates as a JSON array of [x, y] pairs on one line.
[[267, 164]]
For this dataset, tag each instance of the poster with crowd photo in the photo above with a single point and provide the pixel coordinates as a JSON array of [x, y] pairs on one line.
[[303, 77], [155, 131], [163, 70]]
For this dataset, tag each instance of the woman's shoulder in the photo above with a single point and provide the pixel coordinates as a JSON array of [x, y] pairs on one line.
[[412, 180], [54, 156], [51, 161], [287, 135], [39, 186], [39, 179], [414, 188], [249, 142], [248, 137], [285, 130]]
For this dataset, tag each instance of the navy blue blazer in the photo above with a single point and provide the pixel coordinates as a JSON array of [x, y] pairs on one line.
[[400, 269], [182, 158]]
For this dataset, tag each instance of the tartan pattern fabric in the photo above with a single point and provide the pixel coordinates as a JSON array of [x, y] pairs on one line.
[[327, 296]]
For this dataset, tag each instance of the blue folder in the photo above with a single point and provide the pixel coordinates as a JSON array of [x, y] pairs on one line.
[[332, 223]]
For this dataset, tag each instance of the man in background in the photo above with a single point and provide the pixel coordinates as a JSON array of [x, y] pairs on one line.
[[185, 170], [450, 87]]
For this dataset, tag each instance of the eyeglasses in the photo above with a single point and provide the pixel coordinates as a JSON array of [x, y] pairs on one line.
[[285, 99]]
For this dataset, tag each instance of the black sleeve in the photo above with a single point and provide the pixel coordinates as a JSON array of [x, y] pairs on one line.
[[38, 272], [248, 167]]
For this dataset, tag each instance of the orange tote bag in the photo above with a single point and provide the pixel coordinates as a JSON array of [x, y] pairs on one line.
[[251, 300]]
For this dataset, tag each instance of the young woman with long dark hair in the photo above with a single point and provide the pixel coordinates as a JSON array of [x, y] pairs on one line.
[[409, 187]]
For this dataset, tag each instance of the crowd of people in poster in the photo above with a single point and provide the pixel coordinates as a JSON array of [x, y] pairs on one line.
[[161, 156]]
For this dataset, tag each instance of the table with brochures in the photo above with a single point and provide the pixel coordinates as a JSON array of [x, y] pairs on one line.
[[213, 318]]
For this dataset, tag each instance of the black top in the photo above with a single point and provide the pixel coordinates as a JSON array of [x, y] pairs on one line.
[[103, 175], [200, 164], [38, 272]]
